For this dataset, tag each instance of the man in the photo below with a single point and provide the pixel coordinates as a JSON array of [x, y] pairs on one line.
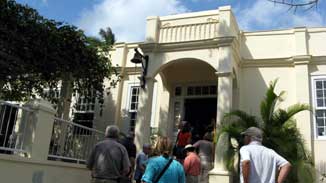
[[128, 143], [259, 164], [191, 165], [141, 161], [109, 160]]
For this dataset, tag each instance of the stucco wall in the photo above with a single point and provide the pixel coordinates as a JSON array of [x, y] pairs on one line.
[[255, 81], [262, 45], [21, 170], [316, 41]]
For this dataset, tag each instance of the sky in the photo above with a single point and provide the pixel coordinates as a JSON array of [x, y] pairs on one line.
[[127, 18]]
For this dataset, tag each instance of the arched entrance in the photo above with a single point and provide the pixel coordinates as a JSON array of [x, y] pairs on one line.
[[192, 87]]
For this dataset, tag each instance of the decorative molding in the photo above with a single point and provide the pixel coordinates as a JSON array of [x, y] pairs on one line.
[[224, 74], [284, 62], [212, 20], [166, 25], [188, 45]]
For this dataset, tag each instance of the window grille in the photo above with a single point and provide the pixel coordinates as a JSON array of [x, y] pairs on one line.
[[320, 106], [133, 106]]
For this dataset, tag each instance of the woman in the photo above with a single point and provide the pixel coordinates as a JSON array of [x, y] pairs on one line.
[[183, 138], [174, 172], [206, 152]]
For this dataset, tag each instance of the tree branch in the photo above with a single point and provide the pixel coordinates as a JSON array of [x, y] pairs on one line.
[[297, 4]]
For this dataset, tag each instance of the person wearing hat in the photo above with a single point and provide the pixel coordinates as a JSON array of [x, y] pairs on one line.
[[191, 165], [260, 164]]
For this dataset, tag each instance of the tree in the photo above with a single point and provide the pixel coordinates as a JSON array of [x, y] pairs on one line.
[[37, 54], [280, 134], [296, 4]]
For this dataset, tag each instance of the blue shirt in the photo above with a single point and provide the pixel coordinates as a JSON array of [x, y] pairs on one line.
[[141, 160], [174, 174]]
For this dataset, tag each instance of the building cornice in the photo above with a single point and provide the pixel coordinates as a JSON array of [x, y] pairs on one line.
[[188, 45], [284, 62]]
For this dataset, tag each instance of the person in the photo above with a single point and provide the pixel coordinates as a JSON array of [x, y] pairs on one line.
[[191, 165], [141, 160], [109, 160], [174, 172], [206, 154], [183, 138], [128, 143], [258, 163]]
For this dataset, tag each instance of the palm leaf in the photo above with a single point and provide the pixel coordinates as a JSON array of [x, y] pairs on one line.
[[268, 104], [242, 118]]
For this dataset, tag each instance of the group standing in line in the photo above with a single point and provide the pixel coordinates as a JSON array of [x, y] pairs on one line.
[[115, 161]]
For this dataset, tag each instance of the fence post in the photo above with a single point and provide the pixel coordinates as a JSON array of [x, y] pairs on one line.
[[38, 131]]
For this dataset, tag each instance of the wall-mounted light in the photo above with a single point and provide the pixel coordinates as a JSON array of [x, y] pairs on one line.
[[143, 59]]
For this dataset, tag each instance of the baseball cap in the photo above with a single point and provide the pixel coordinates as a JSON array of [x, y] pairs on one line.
[[254, 132]]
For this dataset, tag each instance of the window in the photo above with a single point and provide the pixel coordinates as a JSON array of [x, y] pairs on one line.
[[85, 104], [133, 106], [53, 94], [320, 106], [201, 90], [85, 109]]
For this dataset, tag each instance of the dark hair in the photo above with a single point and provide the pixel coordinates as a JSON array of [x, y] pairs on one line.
[[185, 126]]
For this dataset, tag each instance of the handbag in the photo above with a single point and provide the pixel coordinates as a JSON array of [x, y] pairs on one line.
[[164, 169]]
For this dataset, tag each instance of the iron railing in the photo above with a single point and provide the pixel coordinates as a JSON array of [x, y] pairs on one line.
[[13, 122], [72, 142]]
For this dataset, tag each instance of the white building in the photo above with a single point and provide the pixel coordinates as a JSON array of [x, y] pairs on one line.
[[202, 65]]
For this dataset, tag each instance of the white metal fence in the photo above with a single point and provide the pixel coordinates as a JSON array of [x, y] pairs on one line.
[[72, 142], [13, 122]]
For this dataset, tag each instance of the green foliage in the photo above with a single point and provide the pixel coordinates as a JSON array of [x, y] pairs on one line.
[[37, 53], [280, 134]]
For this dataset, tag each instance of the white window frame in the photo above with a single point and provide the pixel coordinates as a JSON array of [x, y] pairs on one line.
[[81, 97], [314, 103], [128, 102]]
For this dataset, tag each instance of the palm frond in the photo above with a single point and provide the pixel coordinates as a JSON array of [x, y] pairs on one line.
[[296, 108], [241, 117], [268, 104]]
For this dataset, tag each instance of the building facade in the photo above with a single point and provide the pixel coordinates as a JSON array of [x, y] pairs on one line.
[[201, 65]]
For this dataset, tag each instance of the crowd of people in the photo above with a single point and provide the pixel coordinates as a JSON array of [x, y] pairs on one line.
[[114, 160]]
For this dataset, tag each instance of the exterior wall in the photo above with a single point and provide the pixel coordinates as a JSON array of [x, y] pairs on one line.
[[106, 115], [263, 45], [316, 41], [15, 169], [255, 81]]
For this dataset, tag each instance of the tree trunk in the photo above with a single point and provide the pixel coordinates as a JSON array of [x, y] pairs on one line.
[[63, 111]]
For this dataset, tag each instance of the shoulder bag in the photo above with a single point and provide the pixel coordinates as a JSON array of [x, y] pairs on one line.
[[164, 169]]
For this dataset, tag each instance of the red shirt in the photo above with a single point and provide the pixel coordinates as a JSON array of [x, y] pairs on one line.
[[192, 164], [183, 138]]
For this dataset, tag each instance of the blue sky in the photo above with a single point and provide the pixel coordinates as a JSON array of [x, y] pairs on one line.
[[127, 18]]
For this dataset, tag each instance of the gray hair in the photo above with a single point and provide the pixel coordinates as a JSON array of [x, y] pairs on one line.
[[112, 131]]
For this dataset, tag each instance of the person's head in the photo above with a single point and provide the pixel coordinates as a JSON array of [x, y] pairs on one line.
[[130, 135], [189, 148], [185, 126], [208, 136], [146, 148], [112, 131], [252, 134], [164, 146]]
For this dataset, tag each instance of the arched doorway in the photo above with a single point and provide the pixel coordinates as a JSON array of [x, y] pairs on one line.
[[192, 85]]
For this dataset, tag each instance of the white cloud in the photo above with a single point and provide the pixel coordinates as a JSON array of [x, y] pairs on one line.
[[262, 15], [127, 18]]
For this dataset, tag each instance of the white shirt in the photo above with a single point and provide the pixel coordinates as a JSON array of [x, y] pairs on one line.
[[264, 162]]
